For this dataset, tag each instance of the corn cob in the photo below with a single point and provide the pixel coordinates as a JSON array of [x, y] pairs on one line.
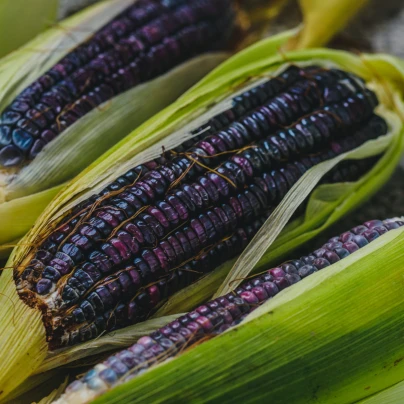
[[216, 316], [70, 276], [175, 125], [141, 43]]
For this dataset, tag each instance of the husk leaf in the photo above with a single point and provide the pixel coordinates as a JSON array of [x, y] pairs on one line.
[[316, 342], [391, 395], [18, 215], [19, 21], [23, 344], [322, 20]]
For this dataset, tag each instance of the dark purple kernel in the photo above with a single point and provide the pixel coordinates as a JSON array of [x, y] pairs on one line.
[[391, 225], [10, 156], [108, 376], [350, 246], [44, 286], [307, 270], [345, 237], [321, 263], [370, 235], [359, 230], [5, 135], [380, 229], [342, 252]]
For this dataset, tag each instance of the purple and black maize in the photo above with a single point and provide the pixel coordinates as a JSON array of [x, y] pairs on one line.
[[144, 41], [255, 114], [218, 315], [167, 221]]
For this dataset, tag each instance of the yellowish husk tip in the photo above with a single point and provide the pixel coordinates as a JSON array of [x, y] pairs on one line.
[[23, 344]]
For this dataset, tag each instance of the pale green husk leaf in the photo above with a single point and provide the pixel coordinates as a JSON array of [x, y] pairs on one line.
[[18, 215], [391, 395]]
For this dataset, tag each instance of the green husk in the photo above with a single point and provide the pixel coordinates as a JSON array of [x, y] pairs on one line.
[[145, 143], [323, 19], [19, 21], [18, 215], [391, 395], [317, 342]]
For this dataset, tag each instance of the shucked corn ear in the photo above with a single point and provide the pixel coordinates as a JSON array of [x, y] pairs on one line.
[[214, 318], [52, 125], [336, 98]]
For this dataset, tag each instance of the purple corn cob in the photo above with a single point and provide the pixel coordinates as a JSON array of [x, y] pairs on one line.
[[144, 41], [176, 208], [222, 313], [111, 257], [235, 128]]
